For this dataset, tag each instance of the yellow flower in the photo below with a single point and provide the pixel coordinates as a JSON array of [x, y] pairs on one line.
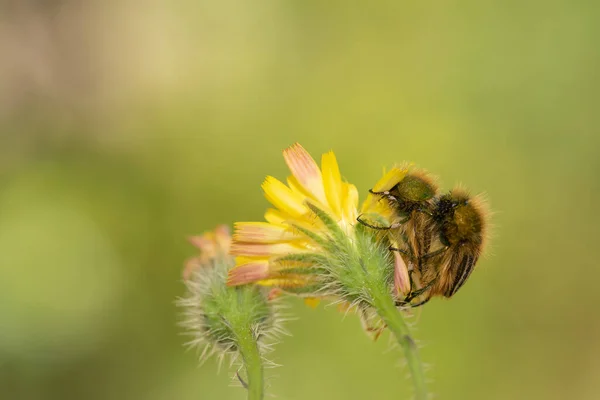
[[281, 251]]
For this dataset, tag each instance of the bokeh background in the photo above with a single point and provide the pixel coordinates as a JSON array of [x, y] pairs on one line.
[[126, 126]]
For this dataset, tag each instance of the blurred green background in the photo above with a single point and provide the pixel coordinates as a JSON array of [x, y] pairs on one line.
[[126, 126]]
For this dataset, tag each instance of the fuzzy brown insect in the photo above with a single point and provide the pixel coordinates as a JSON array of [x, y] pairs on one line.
[[458, 224], [440, 237]]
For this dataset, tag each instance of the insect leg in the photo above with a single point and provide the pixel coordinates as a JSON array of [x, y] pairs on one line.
[[384, 193], [381, 228], [403, 252], [421, 303], [434, 253], [407, 302], [419, 292]]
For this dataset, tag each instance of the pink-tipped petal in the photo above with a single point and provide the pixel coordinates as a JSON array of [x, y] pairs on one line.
[[401, 278], [305, 170], [263, 250], [190, 266], [223, 237], [248, 273], [298, 188], [274, 293], [262, 232], [202, 242]]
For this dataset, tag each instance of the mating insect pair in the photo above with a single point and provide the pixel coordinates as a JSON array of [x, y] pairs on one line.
[[439, 236]]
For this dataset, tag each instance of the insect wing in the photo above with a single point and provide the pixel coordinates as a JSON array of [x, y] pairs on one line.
[[465, 267]]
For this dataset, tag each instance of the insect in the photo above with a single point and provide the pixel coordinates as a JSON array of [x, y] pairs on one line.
[[459, 225], [439, 236]]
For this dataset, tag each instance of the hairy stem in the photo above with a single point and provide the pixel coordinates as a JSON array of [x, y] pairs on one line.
[[252, 359], [384, 304]]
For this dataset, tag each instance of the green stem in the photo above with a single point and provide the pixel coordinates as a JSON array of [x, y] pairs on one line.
[[248, 347], [384, 304]]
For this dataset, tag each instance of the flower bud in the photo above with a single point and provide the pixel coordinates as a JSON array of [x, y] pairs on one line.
[[223, 319]]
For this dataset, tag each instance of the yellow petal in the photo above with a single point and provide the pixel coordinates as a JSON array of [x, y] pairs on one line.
[[350, 202], [239, 260], [262, 232], [305, 170], [293, 281], [284, 198], [297, 187], [283, 219], [332, 182], [312, 302], [374, 203], [276, 217], [390, 179]]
